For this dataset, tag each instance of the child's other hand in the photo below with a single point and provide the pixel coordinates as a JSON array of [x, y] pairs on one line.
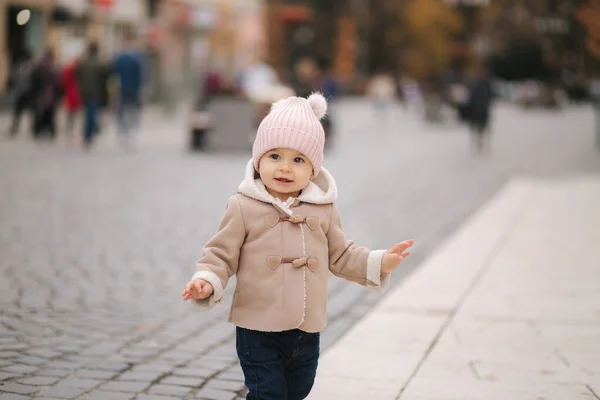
[[197, 289], [395, 255]]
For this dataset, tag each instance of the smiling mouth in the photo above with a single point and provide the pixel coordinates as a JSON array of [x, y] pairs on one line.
[[283, 180]]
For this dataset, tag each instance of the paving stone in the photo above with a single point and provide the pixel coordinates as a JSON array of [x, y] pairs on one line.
[[95, 374], [127, 387], [80, 360], [9, 354], [39, 380], [182, 381], [111, 366], [100, 350], [194, 372], [155, 397], [57, 372], [213, 364], [225, 385], [80, 383], [31, 360], [10, 334], [215, 394], [46, 398], [20, 369], [152, 367], [169, 390], [101, 395], [148, 376], [67, 348], [13, 346], [5, 376], [61, 364], [232, 376], [12, 396], [62, 392], [43, 353], [18, 388]]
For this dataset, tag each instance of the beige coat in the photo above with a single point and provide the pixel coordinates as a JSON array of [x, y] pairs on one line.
[[282, 253]]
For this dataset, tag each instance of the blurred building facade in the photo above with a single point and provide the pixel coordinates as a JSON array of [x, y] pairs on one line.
[[180, 36], [328, 31], [493, 27]]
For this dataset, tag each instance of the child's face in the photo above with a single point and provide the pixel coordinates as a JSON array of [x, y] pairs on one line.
[[284, 172]]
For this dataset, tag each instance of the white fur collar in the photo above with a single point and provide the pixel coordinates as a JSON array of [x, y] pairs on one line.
[[321, 190]]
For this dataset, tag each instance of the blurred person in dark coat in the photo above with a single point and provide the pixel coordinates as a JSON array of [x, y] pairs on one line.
[[129, 69], [20, 79], [330, 88], [305, 79], [308, 78], [91, 75], [477, 108], [46, 92]]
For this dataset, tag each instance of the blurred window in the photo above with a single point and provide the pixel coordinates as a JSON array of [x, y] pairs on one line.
[[296, 2], [152, 8]]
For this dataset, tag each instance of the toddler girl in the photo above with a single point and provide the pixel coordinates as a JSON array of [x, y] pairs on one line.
[[281, 235]]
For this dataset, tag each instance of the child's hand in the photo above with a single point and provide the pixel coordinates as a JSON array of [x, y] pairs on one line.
[[197, 289], [395, 255]]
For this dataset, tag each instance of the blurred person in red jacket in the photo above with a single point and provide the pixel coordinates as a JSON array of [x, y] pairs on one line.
[[72, 96]]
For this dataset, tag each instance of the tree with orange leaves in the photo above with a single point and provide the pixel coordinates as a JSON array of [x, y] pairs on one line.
[[432, 27], [589, 16]]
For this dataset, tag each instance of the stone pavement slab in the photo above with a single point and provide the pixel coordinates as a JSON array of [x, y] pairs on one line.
[[507, 308]]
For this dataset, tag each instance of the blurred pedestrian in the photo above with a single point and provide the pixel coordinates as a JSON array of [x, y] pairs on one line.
[[46, 92], [433, 98], [279, 306], [330, 88], [305, 78], [262, 85], [72, 99], [477, 109], [21, 81], [411, 93], [129, 69], [92, 76], [382, 90]]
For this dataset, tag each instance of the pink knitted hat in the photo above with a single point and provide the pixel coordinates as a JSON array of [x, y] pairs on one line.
[[293, 123]]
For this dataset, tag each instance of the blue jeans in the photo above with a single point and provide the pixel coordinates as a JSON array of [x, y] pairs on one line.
[[129, 112], [91, 121], [278, 365]]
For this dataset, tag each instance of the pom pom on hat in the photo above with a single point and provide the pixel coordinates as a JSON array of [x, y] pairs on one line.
[[318, 104]]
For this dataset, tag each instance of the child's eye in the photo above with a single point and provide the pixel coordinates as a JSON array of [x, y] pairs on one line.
[[299, 159], [274, 156]]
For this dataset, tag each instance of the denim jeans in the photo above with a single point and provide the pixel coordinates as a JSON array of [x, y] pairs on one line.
[[278, 365], [91, 121], [129, 112]]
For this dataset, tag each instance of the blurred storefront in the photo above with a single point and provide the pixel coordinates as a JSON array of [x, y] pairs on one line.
[[102, 21], [23, 26], [180, 37], [290, 32], [250, 34], [329, 32], [177, 37]]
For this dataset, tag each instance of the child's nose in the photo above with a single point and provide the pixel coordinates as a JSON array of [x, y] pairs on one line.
[[286, 167]]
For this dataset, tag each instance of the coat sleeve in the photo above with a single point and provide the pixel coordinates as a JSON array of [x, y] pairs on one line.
[[221, 254], [349, 261]]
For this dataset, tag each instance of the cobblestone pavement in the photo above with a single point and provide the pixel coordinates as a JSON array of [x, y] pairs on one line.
[[95, 248]]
